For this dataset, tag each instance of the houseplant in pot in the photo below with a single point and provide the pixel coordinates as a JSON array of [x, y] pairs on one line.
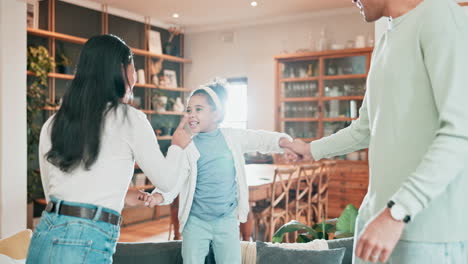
[[41, 64], [329, 229]]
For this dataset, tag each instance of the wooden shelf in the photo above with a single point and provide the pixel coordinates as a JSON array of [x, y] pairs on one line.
[[55, 75], [161, 56], [306, 79], [152, 86], [175, 89], [344, 77], [357, 97], [338, 119], [51, 108], [152, 112], [55, 35], [299, 99], [313, 55], [299, 119], [81, 41]]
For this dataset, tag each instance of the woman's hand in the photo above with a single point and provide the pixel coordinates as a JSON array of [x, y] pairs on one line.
[[150, 200], [181, 137]]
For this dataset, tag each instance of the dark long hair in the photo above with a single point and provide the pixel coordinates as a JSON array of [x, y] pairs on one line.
[[98, 87]]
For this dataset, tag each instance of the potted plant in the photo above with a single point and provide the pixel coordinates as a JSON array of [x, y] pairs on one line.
[[41, 64], [169, 48], [64, 64], [335, 228]]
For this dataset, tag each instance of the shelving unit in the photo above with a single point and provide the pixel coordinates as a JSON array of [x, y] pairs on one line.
[[318, 94], [61, 35]]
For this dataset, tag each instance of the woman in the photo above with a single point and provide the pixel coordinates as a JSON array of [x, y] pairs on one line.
[[87, 153]]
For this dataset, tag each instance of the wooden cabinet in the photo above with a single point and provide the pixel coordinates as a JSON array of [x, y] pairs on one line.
[[347, 186], [317, 94]]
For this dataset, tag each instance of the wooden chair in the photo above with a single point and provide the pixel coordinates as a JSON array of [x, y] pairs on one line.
[[174, 221], [277, 211], [303, 210], [320, 199]]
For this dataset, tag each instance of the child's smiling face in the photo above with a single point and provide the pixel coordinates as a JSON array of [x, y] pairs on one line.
[[202, 117]]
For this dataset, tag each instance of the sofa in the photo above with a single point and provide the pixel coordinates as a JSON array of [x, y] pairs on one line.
[[170, 252]]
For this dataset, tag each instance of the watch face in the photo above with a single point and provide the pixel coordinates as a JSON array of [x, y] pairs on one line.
[[397, 212]]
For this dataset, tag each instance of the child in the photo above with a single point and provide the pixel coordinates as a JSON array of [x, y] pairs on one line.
[[213, 187]]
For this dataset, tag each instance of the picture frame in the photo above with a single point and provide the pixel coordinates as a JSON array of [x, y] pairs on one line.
[[154, 40], [170, 78], [32, 13]]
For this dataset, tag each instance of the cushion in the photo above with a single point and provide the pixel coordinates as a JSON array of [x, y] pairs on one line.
[[344, 243], [152, 253], [164, 252], [317, 244], [268, 254], [16, 246]]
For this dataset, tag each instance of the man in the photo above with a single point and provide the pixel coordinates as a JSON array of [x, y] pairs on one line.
[[414, 120]]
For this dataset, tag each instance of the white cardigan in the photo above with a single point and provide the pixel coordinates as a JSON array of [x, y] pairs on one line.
[[239, 141]]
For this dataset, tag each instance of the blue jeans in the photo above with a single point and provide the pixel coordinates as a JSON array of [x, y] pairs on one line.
[[67, 239], [222, 234], [413, 252]]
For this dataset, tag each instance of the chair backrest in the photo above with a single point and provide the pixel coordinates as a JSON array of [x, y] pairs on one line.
[[308, 173], [282, 183], [328, 170]]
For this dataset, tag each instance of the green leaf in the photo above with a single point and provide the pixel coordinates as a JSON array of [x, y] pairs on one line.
[[292, 226], [301, 238], [347, 220]]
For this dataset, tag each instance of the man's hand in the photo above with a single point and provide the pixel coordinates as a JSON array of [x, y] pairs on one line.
[[290, 155], [150, 200], [181, 137], [299, 147], [379, 238]]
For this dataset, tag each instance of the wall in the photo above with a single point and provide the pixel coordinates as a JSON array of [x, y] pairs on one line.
[[12, 117], [252, 51]]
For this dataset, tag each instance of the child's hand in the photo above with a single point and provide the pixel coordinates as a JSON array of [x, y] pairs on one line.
[[150, 200], [290, 155]]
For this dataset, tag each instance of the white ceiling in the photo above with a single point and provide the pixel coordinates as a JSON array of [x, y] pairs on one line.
[[204, 13]]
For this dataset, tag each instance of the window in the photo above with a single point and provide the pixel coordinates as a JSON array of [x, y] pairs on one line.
[[236, 106]]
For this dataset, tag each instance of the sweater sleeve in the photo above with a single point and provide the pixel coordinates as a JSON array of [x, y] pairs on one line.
[[259, 140], [444, 45], [182, 179], [352, 138], [161, 171]]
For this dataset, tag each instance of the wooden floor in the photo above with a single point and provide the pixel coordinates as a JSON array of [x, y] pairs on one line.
[[151, 231]]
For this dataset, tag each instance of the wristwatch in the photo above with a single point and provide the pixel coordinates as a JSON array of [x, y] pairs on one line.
[[398, 212]]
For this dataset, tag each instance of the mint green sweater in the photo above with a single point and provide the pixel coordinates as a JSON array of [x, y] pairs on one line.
[[414, 120]]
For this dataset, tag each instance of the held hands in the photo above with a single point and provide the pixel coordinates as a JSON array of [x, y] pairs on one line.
[[181, 137], [298, 148], [150, 200], [379, 238]]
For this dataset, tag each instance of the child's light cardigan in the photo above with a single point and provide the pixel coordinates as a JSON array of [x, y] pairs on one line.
[[239, 141]]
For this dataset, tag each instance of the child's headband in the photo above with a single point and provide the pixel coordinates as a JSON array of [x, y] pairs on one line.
[[211, 93]]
